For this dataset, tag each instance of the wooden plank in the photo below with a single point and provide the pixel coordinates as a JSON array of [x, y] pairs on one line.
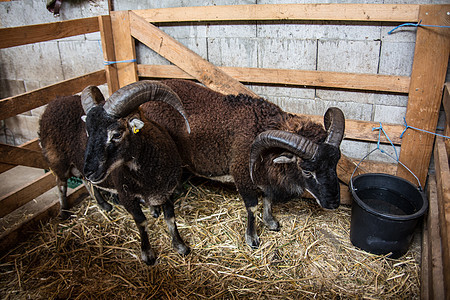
[[16, 199], [352, 81], [434, 251], [16, 36], [187, 60], [357, 130], [446, 105], [30, 145], [425, 266], [26, 219], [425, 92], [443, 192], [21, 156], [108, 53], [124, 49], [266, 12], [12, 106]]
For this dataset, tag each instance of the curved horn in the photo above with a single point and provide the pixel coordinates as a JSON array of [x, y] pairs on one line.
[[335, 125], [90, 97], [128, 98], [297, 144]]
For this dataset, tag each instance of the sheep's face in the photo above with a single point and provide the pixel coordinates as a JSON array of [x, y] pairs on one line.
[[290, 174], [108, 143]]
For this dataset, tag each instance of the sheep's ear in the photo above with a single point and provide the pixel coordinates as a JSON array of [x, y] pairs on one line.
[[136, 125], [84, 118], [284, 158]]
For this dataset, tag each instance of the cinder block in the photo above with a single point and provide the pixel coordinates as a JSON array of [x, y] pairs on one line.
[[280, 91], [318, 30], [389, 114], [9, 88], [348, 56], [287, 54], [24, 127], [78, 58], [351, 110], [146, 55], [362, 97], [189, 30], [38, 61], [396, 58], [354, 149], [233, 52], [148, 4]]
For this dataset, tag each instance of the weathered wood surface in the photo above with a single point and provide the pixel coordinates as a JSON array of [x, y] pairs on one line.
[[124, 49], [266, 12], [30, 145], [187, 60], [19, 197], [22, 156], [14, 228], [443, 198], [425, 92], [108, 53], [23, 35], [15, 105], [352, 81]]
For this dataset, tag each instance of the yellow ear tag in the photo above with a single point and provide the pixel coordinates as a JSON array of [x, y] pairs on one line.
[[135, 130]]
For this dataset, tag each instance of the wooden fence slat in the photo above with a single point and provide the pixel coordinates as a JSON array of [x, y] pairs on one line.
[[443, 192], [22, 156], [189, 61], [31, 215], [446, 105], [16, 199], [353, 81], [15, 105], [23, 35], [124, 49], [30, 145], [334, 12], [427, 79], [108, 53]]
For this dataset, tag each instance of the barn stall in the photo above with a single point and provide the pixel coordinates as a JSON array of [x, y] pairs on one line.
[[96, 253]]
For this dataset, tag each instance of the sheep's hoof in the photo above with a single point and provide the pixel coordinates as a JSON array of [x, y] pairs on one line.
[[272, 224], [148, 257], [64, 214], [181, 248], [106, 206], [155, 211], [252, 241]]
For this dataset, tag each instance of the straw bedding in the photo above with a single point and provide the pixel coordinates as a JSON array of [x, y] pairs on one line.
[[96, 255]]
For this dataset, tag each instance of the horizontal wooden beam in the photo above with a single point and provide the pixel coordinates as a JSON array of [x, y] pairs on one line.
[[352, 81], [12, 106], [30, 145], [267, 12], [355, 129], [189, 61], [30, 215], [23, 195], [16, 36], [21, 156]]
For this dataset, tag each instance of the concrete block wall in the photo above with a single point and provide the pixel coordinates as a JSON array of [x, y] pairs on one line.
[[325, 46]]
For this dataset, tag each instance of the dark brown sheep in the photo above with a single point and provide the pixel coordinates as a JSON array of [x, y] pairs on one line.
[[256, 145], [117, 149]]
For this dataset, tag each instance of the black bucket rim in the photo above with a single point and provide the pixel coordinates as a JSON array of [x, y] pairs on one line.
[[393, 217]]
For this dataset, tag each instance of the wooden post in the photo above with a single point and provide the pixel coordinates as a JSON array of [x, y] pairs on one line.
[[425, 91], [108, 53], [124, 48]]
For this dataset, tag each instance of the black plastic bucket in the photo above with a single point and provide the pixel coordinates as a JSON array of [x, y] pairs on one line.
[[385, 212]]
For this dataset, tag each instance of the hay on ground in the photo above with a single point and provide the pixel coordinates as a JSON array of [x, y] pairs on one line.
[[96, 255]]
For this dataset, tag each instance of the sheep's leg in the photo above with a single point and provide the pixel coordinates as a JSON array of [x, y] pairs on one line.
[[251, 205], [134, 208], [268, 217], [177, 242], [95, 194], [155, 211], [62, 191]]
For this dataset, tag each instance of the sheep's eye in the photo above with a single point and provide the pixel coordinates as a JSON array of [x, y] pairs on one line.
[[116, 136], [307, 173]]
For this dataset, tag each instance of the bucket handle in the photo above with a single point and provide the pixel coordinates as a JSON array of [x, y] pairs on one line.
[[382, 151]]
